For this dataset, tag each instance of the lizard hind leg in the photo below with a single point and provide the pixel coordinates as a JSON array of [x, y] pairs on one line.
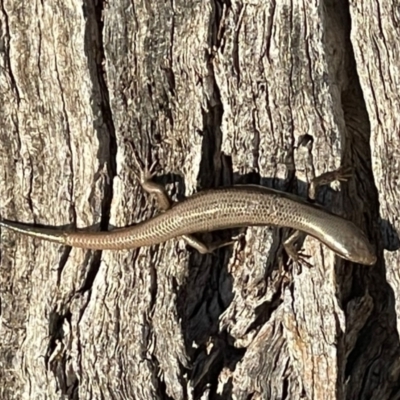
[[144, 175], [164, 202]]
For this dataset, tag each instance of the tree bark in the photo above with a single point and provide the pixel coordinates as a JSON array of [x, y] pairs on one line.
[[212, 93]]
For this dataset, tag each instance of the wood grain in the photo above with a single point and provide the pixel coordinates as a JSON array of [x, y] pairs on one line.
[[213, 93]]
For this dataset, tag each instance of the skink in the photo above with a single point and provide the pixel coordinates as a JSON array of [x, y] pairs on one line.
[[224, 208]]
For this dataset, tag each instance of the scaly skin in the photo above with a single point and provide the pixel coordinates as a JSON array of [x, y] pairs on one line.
[[224, 208]]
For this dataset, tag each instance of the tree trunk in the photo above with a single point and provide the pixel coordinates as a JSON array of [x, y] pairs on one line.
[[212, 93]]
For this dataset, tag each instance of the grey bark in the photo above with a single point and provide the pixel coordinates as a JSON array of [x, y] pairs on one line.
[[213, 93]]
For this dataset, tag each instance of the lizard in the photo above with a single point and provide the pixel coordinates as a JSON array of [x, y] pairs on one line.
[[224, 208]]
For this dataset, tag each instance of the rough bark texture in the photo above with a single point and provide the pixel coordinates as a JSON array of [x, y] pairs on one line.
[[213, 92]]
